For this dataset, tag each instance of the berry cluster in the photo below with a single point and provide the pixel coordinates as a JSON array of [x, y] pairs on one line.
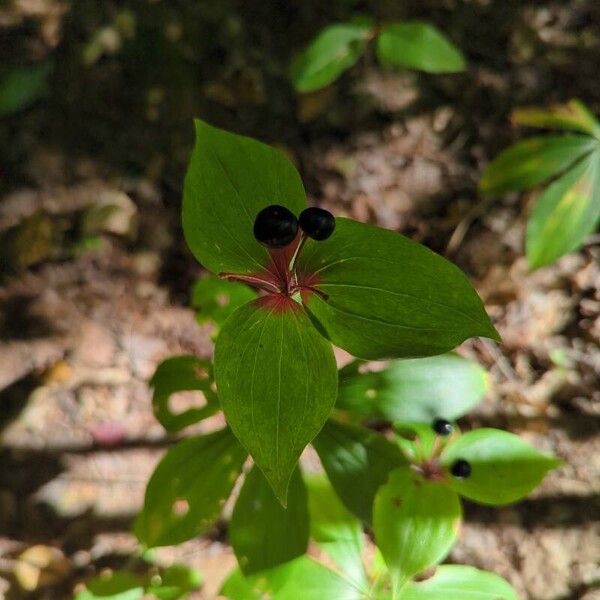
[[460, 468], [276, 226]]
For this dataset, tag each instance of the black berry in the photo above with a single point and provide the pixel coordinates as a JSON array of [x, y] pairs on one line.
[[317, 223], [442, 427], [275, 226], [461, 468]]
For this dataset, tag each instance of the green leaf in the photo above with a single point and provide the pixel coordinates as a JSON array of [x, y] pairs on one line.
[[215, 299], [335, 529], [178, 374], [417, 440], [388, 296], [458, 582], [301, 579], [334, 50], [572, 116], [415, 523], [277, 382], [113, 585], [504, 467], [527, 163], [263, 533], [357, 462], [230, 178], [418, 45], [22, 86], [174, 582], [565, 214], [189, 488], [418, 390]]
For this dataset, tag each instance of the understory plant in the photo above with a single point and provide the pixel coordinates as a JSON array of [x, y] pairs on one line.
[[288, 283], [414, 45], [568, 164]]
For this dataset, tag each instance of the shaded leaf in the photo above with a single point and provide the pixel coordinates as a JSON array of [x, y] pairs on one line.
[[263, 533], [357, 462], [573, 116], [565, 214], [458, 582], [177, 374], [504, 467], [189, 488], [215, 299], [388, 296], [22, 86], [419, 390], [532, 161], [301, 579], [277, 382], [335, 529], [334, 50], [418, 45], [230, 178], [415, 523], [175, 582]]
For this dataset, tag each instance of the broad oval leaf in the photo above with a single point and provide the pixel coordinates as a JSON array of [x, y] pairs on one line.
[[334, 50], [418, 45], [532, 161], [215, 299], [300, 579], [565, 214], [230, 178], [335, 529], [504, 468], [357, 462], [189, 488], [573, 116], [418, 390], [415, 523], [263, 533], [277, 382], [459, 582], [387, 296], [178, 374]]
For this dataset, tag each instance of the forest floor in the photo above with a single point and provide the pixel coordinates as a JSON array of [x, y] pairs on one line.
[[86, 317]]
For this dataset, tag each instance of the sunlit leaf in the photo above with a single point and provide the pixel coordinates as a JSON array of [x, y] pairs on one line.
[[174, 582], [189, 487], [334, 528], [458, 582], [504, 467], [565, 214], [357, 462], [277, 382], [415, 523], [177, 374], [263, 533], [532, 161], [419, 390], [113, 585], [418, 45], [387, 296], [334, 50], [573, 116], [230, 178]]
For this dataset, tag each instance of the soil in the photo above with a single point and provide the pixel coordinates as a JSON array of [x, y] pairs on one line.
[[87, 311]]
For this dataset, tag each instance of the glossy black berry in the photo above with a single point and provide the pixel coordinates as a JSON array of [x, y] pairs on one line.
[[442, 427], [275, 226], [461, 468], [317, 223]]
